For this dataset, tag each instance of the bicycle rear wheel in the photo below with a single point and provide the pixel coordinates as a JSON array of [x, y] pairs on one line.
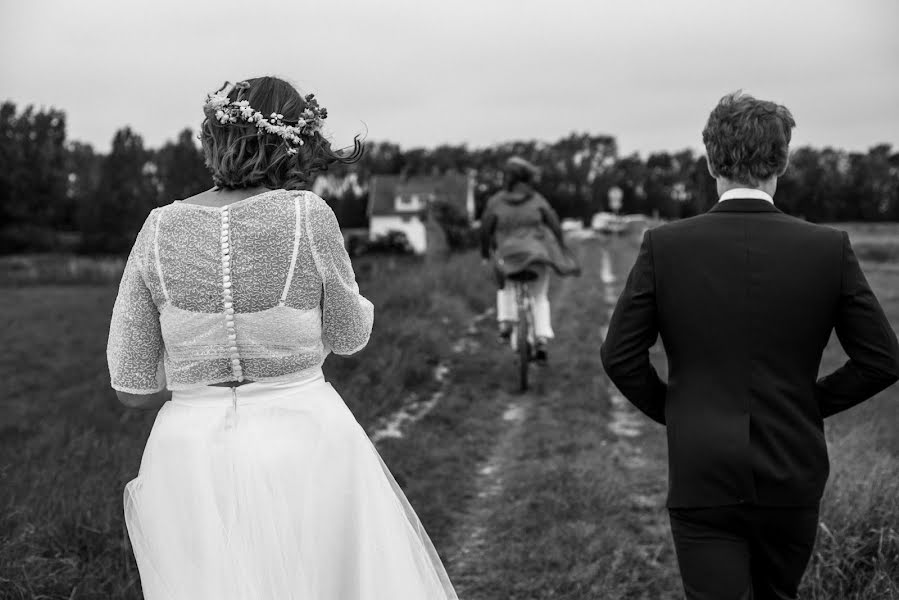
[[524, 350]]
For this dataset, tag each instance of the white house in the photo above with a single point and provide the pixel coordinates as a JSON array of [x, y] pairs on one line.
[[398, 203]]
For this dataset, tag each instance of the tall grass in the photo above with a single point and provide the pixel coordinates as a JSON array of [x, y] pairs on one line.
[[857, 551], [420, 308], [67, 448]]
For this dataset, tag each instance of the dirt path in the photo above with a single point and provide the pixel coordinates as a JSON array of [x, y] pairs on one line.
[[471, 541], [568, 501]]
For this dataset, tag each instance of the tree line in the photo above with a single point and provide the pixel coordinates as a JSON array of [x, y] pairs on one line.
[[62, 195]]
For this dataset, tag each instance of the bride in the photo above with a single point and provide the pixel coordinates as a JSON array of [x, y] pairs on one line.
[[256, 482]]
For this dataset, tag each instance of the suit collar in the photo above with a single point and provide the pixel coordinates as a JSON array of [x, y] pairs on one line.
[[744, 205], [746, 193]]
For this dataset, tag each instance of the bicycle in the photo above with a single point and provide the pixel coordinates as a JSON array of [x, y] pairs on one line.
[[522, 339]]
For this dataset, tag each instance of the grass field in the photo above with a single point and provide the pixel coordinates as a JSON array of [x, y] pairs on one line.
[[67, 447], [542, 495]]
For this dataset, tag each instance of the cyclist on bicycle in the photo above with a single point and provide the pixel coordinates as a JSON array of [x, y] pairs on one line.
[[523, 232]]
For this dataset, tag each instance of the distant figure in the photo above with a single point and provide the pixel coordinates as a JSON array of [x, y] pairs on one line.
[[256, 481], [522, 231], [745, 299]]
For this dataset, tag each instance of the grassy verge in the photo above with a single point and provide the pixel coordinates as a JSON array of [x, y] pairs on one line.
[[876, 243], [420, 309], [857, 552], [67, 448]]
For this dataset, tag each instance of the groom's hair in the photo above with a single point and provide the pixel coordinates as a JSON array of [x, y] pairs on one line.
[[747, 140]]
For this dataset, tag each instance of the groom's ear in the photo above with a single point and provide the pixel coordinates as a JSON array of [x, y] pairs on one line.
[[711, 169], [786, 164]]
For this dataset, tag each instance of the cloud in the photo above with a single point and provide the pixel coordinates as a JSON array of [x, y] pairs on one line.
[[422, 72]]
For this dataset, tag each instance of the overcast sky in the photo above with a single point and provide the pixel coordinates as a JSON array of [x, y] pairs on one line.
[[423, 72]]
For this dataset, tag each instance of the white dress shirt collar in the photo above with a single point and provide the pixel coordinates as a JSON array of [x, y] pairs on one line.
[[745, 193]]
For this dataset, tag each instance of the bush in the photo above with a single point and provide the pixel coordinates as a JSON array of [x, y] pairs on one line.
[[393, 242], [453, 220], [356, 245], [27, 238]]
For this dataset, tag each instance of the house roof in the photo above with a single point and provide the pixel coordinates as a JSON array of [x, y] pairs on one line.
[[452, 187]]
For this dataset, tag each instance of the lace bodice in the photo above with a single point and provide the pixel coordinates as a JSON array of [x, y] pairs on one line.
[[261, 289]]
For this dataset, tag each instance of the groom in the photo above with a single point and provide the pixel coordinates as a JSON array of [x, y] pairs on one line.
[[745, 299]]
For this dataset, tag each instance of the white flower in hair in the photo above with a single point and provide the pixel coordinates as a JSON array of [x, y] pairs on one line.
[[216, 101], [227, 112]]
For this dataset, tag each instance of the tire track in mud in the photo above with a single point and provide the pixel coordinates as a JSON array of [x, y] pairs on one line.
[[471, 542], [415, 408], [626, 424]]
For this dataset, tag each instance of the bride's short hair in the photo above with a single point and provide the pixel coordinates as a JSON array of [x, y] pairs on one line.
[[747, 140], [240, 155]]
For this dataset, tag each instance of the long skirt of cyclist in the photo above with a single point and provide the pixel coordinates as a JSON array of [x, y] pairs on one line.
[[522, 232]]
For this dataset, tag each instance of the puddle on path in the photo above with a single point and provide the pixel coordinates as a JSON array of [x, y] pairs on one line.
[[626, 424]]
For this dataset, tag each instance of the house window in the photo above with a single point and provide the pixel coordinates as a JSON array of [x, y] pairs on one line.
[[411, 202], [406, 218]]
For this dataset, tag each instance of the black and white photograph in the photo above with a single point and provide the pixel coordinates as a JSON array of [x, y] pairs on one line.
[[462, 300]]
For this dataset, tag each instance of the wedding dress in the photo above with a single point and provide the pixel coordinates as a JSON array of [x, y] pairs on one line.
[[269, 490]]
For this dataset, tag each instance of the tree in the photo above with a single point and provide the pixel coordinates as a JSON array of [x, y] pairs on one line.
[[630, 175], [32, 177], [182, 169], [704, 190], [82, 182], [873, 181], [127, 191]]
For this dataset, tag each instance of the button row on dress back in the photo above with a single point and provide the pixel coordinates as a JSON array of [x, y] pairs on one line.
[[227, 297]]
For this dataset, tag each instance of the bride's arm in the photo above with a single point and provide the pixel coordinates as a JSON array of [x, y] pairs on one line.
[[135, 348], [347, 316]]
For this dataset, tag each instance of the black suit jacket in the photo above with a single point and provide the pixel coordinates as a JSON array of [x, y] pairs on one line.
[[745, 299]]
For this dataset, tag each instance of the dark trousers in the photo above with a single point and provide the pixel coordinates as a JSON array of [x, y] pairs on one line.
[[743, 552]]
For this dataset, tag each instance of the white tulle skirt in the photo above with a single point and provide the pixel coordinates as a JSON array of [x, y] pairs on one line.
[[272, 491]]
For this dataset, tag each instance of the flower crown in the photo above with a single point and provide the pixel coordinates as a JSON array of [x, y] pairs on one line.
[[227, 112]]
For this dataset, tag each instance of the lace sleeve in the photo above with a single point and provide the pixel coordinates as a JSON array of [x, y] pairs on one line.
[[346, 315], [134, 351]]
